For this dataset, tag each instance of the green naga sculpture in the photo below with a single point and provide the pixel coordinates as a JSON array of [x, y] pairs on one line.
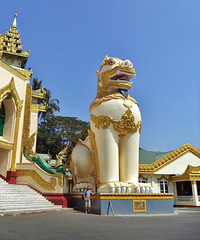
[[29, 154]]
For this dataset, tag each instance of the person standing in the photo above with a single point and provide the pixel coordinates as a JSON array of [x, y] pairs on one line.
[[86, 196]]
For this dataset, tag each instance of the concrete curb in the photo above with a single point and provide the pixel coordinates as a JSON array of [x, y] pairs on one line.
[[4, 214]]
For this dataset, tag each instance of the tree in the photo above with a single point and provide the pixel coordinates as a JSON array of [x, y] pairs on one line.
[[36, 84], [57, 132], [52, 104]]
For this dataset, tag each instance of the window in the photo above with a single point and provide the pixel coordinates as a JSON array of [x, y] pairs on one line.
[[198, 188], [2, 119], [163, 186], [184, 188], [142, 181]]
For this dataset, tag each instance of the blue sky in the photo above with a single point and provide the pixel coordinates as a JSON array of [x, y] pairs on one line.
[[68, 40]]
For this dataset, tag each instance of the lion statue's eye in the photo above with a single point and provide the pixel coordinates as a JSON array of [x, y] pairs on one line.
[[112, 62]]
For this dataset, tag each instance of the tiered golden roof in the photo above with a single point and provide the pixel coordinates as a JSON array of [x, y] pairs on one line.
[[11, 47]]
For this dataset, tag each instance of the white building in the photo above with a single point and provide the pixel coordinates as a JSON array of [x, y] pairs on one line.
[[19, 105], [176, 172]]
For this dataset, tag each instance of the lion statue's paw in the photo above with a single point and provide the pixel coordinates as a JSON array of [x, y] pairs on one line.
[[121, 187], [141, 188], [80, 187]]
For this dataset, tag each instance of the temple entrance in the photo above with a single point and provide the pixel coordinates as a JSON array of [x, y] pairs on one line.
[[7, 123], [4, 161]]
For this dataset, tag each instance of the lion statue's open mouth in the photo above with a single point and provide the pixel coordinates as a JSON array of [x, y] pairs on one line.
[[120, 76], [115, 74]]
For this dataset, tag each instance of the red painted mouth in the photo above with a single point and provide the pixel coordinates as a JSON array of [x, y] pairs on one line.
[[121, 76]]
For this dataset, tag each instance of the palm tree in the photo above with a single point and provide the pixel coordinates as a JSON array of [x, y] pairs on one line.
[[36, 84], [52, 104]]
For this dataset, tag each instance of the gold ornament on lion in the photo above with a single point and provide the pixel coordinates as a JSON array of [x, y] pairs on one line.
[[124, 126]]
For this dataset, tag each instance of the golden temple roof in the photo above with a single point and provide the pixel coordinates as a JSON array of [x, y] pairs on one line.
[[11, 47]]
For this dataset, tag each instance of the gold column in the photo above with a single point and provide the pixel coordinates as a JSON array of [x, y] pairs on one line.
[[27, 119]]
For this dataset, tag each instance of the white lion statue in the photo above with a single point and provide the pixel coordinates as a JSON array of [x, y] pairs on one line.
[[108, 159]]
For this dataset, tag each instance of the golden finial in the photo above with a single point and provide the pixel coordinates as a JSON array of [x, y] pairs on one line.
[[15, 21]]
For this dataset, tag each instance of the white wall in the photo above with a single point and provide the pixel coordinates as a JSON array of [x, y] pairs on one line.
[[179, 166]]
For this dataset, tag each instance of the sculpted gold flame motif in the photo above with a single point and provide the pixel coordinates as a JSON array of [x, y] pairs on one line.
[[124, 126], [108, 159]]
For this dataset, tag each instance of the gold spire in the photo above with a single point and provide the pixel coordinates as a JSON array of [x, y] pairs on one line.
[[12, 42], [15, 21]]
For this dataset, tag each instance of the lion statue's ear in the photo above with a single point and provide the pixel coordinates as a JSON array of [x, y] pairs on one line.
[[97, 73]]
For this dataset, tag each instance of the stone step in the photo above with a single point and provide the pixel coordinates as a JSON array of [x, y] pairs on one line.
[[21, 206], [25, 191], [5, 187], [13, 186], [21, 198], [2, 181], [28, 210], [24, 205], [12, 193], [23, 202]]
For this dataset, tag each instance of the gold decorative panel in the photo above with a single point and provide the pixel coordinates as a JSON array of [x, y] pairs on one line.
[[27, 116], [139, 206]]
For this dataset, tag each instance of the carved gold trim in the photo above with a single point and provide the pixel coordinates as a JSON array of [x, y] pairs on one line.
[[169, 158], [40, 94], [106, 96], [193, 182], [29, 147], [10, 89], [141, 197], [142, 177], [6, 145], [60, 181], [37, 108], [94, 154], [27, 116], [13, 71], [7, 90], [126, 196], [50, 186], [162, 177], [124, 126], [191, 174], [28, 74]]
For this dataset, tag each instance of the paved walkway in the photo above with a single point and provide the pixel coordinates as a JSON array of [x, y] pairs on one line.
[[66, 224]]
